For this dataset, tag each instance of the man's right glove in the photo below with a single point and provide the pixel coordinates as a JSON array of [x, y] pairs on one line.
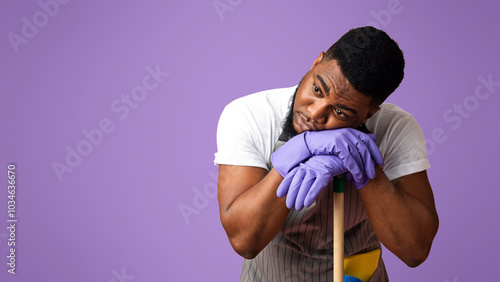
[[357, 150]]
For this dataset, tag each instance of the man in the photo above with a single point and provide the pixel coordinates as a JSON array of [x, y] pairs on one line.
[[278, 149]]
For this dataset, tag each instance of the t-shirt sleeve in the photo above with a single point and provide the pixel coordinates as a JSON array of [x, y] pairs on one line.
[[404, 149], [237, 138]]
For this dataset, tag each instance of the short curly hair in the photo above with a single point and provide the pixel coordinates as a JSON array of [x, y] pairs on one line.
[[370, 60]]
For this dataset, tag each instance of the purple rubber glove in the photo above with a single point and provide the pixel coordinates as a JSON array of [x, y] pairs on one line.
[[358, 185], [357, 150], [303, 183], [292, 153]]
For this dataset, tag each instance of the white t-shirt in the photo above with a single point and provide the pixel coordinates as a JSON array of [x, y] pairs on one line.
[[247, 135]]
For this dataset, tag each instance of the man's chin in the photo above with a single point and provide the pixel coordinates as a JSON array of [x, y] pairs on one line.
[[297, 129]]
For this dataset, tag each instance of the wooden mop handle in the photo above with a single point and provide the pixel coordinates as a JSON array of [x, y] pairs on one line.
[[338, 229]]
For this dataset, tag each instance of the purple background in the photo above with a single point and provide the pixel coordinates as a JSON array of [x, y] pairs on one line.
[[118, 212]]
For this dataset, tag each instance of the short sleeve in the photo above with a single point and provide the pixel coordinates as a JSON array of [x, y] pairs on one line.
[[402, 145], [238, 138]]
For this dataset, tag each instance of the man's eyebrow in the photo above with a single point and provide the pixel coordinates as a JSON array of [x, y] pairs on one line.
[[327, 89]]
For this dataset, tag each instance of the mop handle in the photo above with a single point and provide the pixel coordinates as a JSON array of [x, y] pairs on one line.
[[338, 228]]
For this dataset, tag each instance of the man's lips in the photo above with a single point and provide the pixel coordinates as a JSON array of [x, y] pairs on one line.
[[302, 123]]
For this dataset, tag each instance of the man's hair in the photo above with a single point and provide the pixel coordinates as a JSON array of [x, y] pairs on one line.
[[370, 60]]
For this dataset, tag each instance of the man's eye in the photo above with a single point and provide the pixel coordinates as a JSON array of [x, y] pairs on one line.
[[340, 113], [317, 91], [316, 88]]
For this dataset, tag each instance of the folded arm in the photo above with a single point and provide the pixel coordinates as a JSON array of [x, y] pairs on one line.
[[403, 214], [250, 211]]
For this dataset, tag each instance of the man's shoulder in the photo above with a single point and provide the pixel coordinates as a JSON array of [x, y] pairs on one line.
[[272, 100], [393, 110], [248, 124], [389, 113], [391, 118]]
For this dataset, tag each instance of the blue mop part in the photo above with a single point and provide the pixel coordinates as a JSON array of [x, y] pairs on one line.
[[348, 278]]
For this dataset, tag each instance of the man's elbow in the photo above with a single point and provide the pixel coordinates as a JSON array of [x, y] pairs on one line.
[[244, 249], [414, 261], [241, 242], [417, 255]]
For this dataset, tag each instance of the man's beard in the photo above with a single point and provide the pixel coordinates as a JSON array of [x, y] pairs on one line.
[[288, 129]]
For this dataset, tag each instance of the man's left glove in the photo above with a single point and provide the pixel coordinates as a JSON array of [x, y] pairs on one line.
[[303, 183]]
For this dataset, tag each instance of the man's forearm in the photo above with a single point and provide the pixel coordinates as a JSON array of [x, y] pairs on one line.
[[254, 218], [401, 215]]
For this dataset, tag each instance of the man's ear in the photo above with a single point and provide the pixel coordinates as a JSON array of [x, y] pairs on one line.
[[371, 113], [318, 59]]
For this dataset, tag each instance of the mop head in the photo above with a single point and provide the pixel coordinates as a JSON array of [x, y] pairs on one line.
[[348, 278], [362, 265]]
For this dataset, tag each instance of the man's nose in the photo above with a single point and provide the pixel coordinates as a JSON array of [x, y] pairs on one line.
[[317, 112]]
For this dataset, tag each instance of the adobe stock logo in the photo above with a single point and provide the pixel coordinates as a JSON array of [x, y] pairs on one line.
[[39, 19], [223, 6], [201, 198], [381, 19], [121, 276], [455, 115], [121, 107]]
